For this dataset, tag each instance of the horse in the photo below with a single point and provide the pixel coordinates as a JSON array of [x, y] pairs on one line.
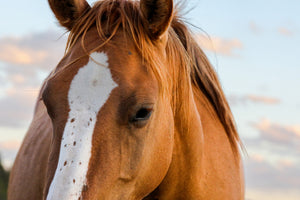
[[134, 110]]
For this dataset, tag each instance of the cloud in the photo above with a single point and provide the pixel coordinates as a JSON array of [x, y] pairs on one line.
[[261, 174], [12, 145], [37, 49], [251, 98], [219, 45], [8, 152], [275, 139], [287, 135], [17, 106], [24, 63], [255, 28], [274, 156], [19, 55], [262, 99], [272, 194], [285, 32], [18, 78], [274, 151]]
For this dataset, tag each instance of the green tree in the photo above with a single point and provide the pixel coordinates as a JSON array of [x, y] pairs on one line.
[[3, 181]]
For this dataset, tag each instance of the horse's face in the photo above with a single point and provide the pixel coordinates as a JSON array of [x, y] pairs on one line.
[[112, 130]]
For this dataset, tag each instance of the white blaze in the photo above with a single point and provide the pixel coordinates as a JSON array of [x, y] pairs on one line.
[[89, 90]]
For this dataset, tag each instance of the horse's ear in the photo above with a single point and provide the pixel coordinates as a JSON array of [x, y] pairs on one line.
[[68, 11], [158, 15]]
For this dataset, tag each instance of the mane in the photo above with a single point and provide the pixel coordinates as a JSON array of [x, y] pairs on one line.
[[192, 66], [204, 77]]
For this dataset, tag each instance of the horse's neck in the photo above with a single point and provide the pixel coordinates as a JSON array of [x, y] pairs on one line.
[[203, 164], [221, 176]]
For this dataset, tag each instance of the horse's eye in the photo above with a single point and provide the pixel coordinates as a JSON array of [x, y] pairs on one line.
[[140, 118]]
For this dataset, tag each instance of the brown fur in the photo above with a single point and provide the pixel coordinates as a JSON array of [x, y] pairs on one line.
[[68, 11], [157, 13], [196, 67], [196, 157]]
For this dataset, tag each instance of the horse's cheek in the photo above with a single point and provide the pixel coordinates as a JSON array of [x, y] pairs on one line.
[[158, 154]]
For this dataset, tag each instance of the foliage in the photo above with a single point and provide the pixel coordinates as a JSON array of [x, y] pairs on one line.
[[3, 181]]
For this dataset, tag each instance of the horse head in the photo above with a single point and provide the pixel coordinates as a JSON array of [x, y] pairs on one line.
[[110, 102]]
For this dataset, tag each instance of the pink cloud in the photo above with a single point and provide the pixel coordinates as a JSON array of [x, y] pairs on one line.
[[25, 61], [10, 145], [278, 137], [36, 50], [285, 31], [261, 174], [276, 148], [18, 78], [286, 163], [12, 53], [219, 45], [236, 99], [257, 157], [262, 99]]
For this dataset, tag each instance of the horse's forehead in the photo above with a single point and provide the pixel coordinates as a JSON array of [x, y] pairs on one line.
[[89, 90]]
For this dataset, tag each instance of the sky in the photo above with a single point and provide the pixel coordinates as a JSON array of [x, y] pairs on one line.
[[253, 45]]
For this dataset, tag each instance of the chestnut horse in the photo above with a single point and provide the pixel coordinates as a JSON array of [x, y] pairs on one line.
[[134, 110]]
